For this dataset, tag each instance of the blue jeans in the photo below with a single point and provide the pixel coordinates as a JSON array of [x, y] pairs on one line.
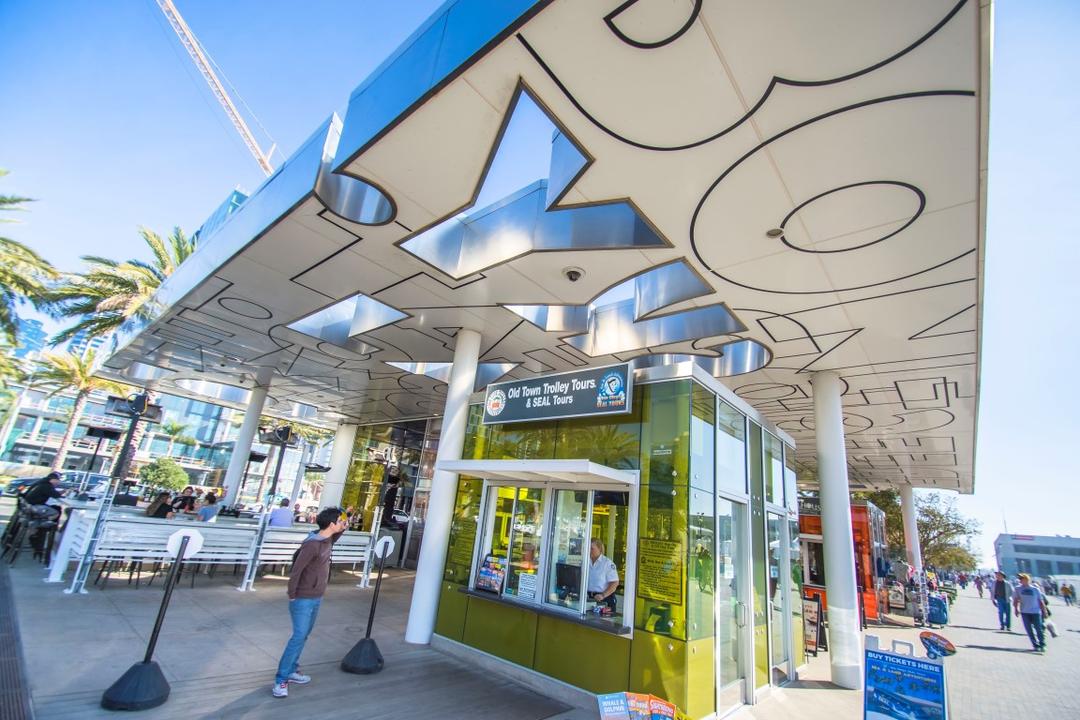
[[303, 612], [1033, 623], [1004, 613]]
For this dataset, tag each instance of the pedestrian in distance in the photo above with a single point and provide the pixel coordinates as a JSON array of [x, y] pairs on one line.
[[1030, 604], [307, 584], [1001, 593], [979, 584]]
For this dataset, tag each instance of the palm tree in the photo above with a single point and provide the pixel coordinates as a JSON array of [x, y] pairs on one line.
[[68, 372], [110, 292], [177, 433], [23, 273]]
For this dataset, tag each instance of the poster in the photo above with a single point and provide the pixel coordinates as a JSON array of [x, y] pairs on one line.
[[660, 570], [613, 706], [902, 686], [811, 615], [491, 574], [526, 585], [635, 706]]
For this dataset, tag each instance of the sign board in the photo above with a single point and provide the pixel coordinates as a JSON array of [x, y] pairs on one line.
[[902, 686], [635, 706], [195, 543], [135, 405], [579, 393], [527, 585], [936, 645], [384, 546], [809, 506], [811, 615], [659, 570]]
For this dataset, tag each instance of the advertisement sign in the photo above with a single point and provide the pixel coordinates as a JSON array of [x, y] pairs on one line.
[[811, 616], [592, 391], [660, 570], [902, 686], [635, 706]]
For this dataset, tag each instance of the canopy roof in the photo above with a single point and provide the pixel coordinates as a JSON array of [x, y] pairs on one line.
[[782, 187]]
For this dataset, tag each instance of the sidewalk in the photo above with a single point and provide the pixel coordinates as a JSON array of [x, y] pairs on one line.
[[219, 648]]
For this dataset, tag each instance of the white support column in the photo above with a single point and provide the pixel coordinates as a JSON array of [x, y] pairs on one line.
[[239, 460], [845, 639], [914, 549], [429, 568], [340, 460]]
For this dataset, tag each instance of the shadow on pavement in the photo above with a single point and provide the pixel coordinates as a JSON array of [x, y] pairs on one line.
[[994, 647]]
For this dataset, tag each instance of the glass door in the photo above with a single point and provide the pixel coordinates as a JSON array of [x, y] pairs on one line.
[[732, 613], [778, 598]]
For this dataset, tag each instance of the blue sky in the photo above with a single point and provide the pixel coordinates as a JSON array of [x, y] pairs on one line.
[[108, 125]]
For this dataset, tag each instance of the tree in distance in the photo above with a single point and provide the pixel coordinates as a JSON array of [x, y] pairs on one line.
[[163, 474], [24, 275]]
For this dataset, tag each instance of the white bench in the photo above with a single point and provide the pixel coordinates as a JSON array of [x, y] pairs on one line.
[[279, 545]]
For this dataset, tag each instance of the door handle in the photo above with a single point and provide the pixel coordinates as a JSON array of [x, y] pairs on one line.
[[741, 614]]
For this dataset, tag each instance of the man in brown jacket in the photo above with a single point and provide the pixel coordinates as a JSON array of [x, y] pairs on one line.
[[307, 583]]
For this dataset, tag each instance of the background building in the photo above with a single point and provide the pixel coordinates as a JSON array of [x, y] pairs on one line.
[[1039, 555], [30, 338]]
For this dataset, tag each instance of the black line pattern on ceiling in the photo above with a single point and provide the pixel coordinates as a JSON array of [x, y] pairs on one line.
[[609, 20], [694, 244], [761, 101], [919, 194]]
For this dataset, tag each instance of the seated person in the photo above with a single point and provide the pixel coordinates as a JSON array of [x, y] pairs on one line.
[[209, 511], [281, 516], [160, 507], [185, 502], [603, 578], [38, 495]]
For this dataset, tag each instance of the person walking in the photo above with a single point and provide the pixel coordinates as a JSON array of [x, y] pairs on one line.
[[979, 584], [307, 584], [1029, 602], [1001, 595], [1066, 594]]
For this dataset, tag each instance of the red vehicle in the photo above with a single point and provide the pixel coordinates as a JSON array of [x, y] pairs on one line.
[[868, 530]]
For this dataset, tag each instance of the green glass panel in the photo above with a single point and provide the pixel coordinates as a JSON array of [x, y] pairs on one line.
[[611, 515], [663, 508], [731, 538], [703, 439], [701, 585], [501, 630], [760, 598], [463, 530], [472, 449], [791, 494], [774, 470], [520, 441], [730, 449], [567, 548], [777, 601], [601, 661], [798, 641], [658, 667], [614, 440], [700, 679], [450, 622], [522, 576]]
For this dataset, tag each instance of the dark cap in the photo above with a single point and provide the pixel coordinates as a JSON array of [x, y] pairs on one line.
[[53, 476]]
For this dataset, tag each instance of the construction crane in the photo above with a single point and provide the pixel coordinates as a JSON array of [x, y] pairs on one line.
[[202, 62]]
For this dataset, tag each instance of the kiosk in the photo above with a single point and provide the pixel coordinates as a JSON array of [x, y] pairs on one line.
[[684, 490]]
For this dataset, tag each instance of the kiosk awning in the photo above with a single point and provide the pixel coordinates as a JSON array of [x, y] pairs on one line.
[[542, 472]]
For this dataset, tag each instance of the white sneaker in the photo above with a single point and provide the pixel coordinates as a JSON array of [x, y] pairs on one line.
[[281, 689], [299, 678]]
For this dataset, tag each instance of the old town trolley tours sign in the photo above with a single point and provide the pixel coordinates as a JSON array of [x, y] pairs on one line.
[[592, 391]]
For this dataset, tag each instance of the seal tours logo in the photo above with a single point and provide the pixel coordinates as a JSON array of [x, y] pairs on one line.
[[612, 391], [496, 402]]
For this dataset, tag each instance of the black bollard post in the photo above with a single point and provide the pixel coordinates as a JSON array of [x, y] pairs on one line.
[[365, 658], [144, 686]]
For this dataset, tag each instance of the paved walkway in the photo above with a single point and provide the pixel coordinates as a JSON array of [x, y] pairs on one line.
[[219, 648]]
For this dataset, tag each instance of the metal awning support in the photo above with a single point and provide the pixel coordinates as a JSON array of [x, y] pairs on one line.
[[544, 472]]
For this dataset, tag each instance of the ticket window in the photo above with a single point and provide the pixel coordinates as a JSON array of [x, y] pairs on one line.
[[539, 548]]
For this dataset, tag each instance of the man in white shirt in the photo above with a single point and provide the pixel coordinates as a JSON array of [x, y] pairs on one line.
[[603, 576], [281, 516]]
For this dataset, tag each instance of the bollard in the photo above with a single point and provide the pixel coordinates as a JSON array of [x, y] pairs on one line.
[[144, 686], [365, 658]]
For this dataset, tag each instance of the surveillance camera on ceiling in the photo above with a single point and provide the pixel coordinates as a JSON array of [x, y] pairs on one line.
[[573, 274]]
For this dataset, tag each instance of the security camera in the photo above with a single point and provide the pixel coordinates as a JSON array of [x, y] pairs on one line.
[[573, 274]]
